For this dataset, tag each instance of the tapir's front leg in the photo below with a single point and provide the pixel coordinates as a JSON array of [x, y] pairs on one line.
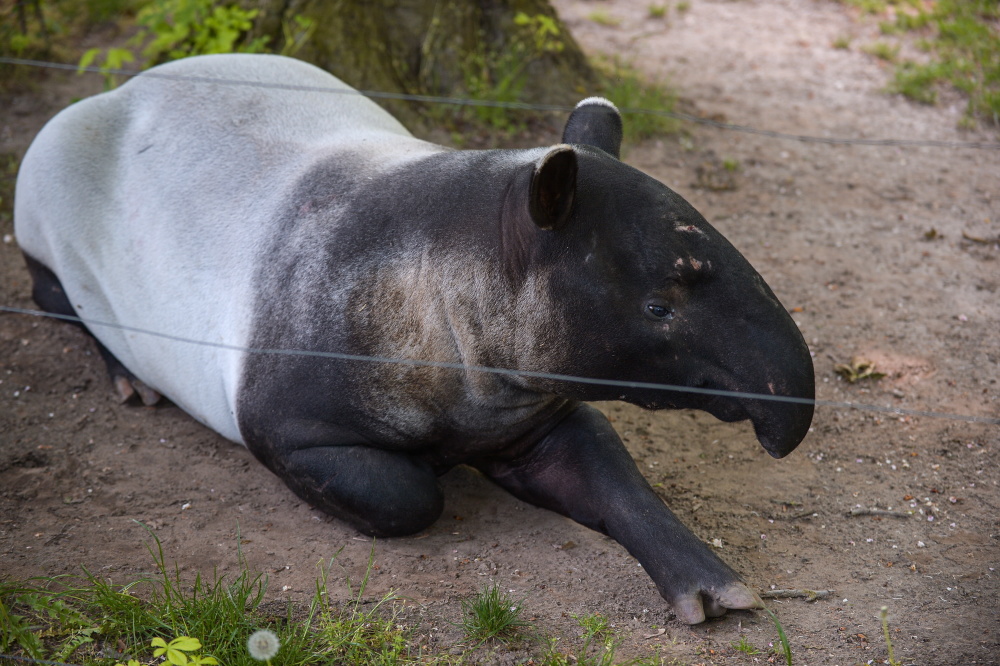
[[582, 470]]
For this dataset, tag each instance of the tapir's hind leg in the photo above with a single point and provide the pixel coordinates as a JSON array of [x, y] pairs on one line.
[[381, 493], [48, 292]]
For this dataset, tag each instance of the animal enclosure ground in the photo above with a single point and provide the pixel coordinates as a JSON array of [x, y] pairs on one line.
[[884, 253]]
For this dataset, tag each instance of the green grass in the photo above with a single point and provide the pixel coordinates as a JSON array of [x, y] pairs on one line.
[[657, 11], [882, 51], [72, 619], [601, 17], [745, 646], [492, 614], [629, 90], [786, 649], [962, 42]]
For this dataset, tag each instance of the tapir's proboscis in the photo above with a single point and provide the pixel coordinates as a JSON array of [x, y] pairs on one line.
[[249, 203]]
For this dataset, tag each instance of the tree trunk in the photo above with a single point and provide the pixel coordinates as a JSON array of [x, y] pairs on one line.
[[508, 50]]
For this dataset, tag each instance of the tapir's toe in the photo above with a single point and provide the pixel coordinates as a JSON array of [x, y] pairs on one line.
[[696, 607], [127, 386], [148, 395], [123, 388]]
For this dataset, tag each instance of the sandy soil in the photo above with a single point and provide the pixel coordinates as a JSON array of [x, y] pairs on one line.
[[839, 234]]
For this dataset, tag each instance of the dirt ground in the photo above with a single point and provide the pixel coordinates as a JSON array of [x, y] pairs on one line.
[[843, 234]]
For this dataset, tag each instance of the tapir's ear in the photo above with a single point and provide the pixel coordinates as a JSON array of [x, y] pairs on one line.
[[553, 188], [595, 122]]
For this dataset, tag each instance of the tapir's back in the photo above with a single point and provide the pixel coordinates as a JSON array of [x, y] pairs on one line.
[[154, 204]]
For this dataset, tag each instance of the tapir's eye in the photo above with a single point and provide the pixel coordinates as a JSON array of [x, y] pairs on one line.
[[658, 310]]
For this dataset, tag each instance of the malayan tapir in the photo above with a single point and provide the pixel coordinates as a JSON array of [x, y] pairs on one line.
[[248, 203]]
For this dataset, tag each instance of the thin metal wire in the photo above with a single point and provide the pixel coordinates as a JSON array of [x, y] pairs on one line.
[[677, 388], [34, 661], [522, 106]]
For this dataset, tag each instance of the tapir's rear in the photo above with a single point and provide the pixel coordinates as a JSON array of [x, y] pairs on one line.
[[220, 238]]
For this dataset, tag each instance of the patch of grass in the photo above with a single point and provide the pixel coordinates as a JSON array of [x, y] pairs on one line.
[[598, 648], [683, 6], [601, 17], [78, 619], [624, 86], [882, 50], [842, 43], [594, 626], [962, 39], [492, 614], [745, 646], [657, 11], [918, 82]]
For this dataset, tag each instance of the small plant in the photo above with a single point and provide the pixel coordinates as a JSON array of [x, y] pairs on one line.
[[785, 647], [858, 369], [175, 652], [601, 17], [492, 613], [172, 29], [113, 59], [842, 43], [730, 164], [657, 11], [499, 77], [683, 6], [594, 626], [745, 646], [888, 641]]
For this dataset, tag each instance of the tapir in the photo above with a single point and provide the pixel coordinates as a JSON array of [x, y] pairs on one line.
[[278, 232]]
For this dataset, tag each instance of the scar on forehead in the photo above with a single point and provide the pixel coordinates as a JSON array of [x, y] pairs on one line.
[[689, 228], [695, 264]]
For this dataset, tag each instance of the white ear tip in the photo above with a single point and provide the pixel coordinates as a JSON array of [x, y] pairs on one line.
[[603, 101]]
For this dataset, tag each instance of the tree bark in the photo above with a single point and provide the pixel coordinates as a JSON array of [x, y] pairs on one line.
[[512, 50]]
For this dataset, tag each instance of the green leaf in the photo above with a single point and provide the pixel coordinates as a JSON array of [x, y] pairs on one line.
[[86, 59], [185, 643]]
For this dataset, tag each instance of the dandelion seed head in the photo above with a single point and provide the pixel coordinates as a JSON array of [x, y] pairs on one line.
[[263, 645]]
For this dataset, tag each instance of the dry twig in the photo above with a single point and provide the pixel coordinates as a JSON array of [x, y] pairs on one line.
[[808, 595], [878, 512]]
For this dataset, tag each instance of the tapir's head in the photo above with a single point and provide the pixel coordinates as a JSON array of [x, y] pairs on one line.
[[643, 289]]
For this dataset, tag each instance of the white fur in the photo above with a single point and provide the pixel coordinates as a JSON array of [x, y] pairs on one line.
[[602, 101], [153, 204]]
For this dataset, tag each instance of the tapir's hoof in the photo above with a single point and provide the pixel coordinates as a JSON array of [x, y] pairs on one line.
[[694, 608], [126, 387]]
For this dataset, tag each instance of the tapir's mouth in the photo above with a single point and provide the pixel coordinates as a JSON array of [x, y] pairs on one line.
[[779, 426], [726, 409]]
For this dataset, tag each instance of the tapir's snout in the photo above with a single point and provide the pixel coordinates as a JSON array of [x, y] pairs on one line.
[[774, 368]]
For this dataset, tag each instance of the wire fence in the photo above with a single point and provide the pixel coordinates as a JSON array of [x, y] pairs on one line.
[[520, 106], [508, 372]]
